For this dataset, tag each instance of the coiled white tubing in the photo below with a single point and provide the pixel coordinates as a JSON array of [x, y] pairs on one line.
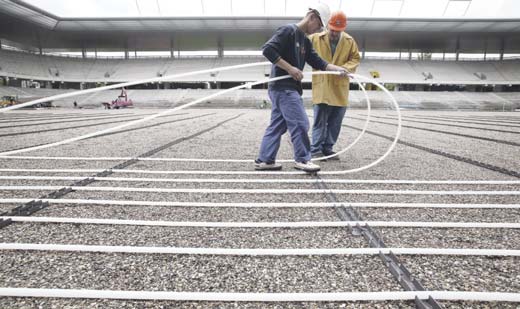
[[356, 77]]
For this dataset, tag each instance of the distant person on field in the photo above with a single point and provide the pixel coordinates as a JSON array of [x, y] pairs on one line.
[[330, 93], [289, 49]]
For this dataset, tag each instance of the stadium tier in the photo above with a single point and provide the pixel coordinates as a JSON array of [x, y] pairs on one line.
[[52, 68]]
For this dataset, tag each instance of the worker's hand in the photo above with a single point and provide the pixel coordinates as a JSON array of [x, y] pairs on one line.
[[295, 73], [343, 72]]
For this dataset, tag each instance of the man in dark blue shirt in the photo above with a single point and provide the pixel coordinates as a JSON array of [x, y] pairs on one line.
[[289, 49]]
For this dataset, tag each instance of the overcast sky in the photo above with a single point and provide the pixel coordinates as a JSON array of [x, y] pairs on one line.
[[353, 8]]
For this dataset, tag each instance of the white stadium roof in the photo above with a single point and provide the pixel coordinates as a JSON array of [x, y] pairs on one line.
[[377, 25]]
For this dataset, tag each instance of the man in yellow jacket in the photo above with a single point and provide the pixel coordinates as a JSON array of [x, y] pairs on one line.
[[330, 92]]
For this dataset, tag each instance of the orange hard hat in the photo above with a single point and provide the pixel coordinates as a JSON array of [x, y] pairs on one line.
[[338, 21]]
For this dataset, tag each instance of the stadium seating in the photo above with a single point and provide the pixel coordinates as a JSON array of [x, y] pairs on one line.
[[53, 68]]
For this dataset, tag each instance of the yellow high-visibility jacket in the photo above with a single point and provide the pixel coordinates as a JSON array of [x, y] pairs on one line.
[[332, 89]]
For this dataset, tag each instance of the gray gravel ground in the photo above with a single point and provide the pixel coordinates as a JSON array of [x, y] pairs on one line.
[[240, 139], [440, 214], [155, 272], [241, 184], [442, 127], [500, 154], [199, 197], [189, 213], [65, 124], [102, 303], [482, 305], [491, 274], [7, 207], [130, 143], [451, 238], [36, 183], [24, 194], [289, 197], [52, 164], [86, 234]]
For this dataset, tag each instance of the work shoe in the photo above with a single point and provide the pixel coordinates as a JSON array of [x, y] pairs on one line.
[[330, 153], [308, 167], [316, 155], [267, 166]]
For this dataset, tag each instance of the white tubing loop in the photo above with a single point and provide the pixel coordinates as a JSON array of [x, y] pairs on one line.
[[365, 126], [261, 297], [394, 142], [257, 191], [132, 83], [356, 76], [74, 139], [258, 205], [248, 224], [258, 252]]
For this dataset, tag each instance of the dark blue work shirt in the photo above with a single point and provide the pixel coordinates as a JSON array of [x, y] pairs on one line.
[[292, 45]]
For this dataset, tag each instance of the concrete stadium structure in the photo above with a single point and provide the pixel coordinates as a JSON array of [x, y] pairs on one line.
[[170, 213]]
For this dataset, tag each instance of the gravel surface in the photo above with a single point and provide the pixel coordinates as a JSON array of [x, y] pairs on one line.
[[489, 152], [239, 139], [24, 194], [102, 303], [200, 197], [36, 183], [451, 238], [440, 214], [487, 305], [130, 143], [240, 184], [189, 213], [111, 235], [465, 273], [289, 197], [418, 125], [53, 164], [154, 272], [7, 207]]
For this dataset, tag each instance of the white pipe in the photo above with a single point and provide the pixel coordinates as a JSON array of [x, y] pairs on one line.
[[131, 123], [273, 180], [258, 191], [121, 85], [260, 205], [76, 158], [262, 297], [365, 126], [375, 162], [305, 224], [258, 252], [47, 170]]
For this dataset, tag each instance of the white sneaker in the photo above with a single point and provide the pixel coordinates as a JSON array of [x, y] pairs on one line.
[[263, 166], [308, 166]]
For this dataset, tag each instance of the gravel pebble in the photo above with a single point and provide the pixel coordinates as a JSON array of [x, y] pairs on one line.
[[465, 273], [451, 238], [114, 235], [190, 273]]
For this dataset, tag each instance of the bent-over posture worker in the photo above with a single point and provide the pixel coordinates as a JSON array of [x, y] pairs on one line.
[[289, 49]]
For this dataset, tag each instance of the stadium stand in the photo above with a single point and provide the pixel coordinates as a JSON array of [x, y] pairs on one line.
[[26, 65]]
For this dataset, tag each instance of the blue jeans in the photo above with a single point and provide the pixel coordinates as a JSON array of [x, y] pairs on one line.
[[326, 127], [287, 113]]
